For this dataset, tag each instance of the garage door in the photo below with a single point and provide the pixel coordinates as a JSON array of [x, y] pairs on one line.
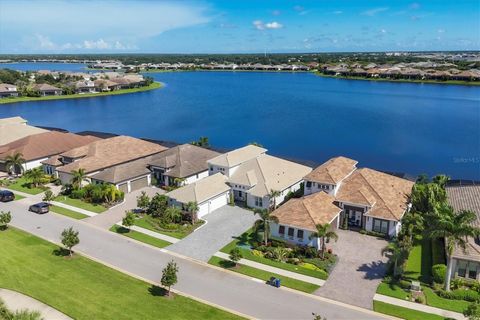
[[123, 187], [218, 202], [139, 183]]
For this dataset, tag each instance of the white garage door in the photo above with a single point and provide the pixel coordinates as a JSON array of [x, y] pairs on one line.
[[213, 204]]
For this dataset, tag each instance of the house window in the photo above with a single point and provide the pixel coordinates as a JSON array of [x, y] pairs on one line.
[[291, 232], [281, 230], [472, 273], [309, 184], [462, 269], [258, 202], [380, 225], [300, 234]]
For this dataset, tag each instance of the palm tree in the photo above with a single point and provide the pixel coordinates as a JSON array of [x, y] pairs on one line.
[[324, 233], [14, 163], [413, 224], [35, 175], [399, 250], [278, 254], [273, 195], [172, 214], [110, 193], [192, 208], [441, 180], [78, 176], [264, 222], [455, 228]]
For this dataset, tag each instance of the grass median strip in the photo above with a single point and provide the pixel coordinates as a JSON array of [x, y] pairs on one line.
[[68, 212], [18, 197], [263, 275], [97, 208], [159, 243], [24, 185], [403, 313], [85, 289]]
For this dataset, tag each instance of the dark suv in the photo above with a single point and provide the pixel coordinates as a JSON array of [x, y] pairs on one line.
[[41, 207], [6, 195]]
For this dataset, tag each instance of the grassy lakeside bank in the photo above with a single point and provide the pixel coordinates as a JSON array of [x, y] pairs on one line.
[[451, 82], [85, 289], [154, 85]]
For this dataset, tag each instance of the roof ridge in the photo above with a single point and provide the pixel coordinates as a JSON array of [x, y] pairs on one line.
[[308, 211]]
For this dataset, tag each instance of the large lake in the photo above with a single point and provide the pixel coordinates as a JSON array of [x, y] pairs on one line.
[[401, 127]]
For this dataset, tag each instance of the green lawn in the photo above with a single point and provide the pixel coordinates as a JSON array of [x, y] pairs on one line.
[[140, 236], [84, 289], [23, 185], [18, 197], [403, 313], [154, 85], [247, 254], [146, 222], [97, 208], [263, 275], [68, 212]]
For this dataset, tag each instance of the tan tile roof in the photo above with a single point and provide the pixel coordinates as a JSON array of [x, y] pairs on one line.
[[185, 160], [106, 153], [45, 144], [124, 172], [45, 87], [15, 128], [53, 161], [386, 193], [201, 190], [237, 156], [333, 171], [308, 211], [265, 173]]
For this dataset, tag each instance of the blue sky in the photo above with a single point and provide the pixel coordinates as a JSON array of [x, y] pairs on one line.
[[237, 26]]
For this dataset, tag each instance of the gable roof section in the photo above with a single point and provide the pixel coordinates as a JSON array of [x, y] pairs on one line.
[[124, 172], [333, 171], [185, 160], [15, 128], [45, 87], [308, 211], [265, 173], [109, 152], [201, 190], [237, 156], [44, 144], [387, 195]]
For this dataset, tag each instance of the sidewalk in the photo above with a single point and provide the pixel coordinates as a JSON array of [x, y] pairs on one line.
[[419, 307], [152, 233], [16, 301], [261, 266], [69, 207]]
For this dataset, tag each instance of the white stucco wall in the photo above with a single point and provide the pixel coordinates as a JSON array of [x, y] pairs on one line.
[[274, 228], [33, 164], [315, 187], [195, 177]]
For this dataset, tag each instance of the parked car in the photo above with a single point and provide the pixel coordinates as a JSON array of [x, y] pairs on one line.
[[6, 195], [40, 208]]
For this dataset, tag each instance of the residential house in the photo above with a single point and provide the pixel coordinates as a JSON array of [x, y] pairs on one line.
[[253, 174], [85, 86], [39, 147], [209, 193], [8, 90], [466, 263], [298, 217], [102, 85], [15, 128], [46, 89], [104, 154], [181, 165]]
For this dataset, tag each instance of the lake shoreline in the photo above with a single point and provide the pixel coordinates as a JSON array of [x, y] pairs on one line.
[[153, 86]]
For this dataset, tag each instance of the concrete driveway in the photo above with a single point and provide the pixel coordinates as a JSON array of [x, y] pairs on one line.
[[222, 226], [359, 270], [113, 215]]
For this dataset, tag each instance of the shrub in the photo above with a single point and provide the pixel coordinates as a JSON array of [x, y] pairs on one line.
[[310, 266], [459, 294], [404, 284], [420, 299], [78, 194], [438, 273], [257, 253]]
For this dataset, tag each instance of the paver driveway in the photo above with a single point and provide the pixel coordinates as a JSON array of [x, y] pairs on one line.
[[359, 270], [222, 226]]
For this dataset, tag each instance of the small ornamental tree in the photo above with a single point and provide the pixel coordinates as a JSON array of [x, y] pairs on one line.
[[235, 255], [143, 201], [48, 196], [70, 239], [128, 220], [473, 311], [169, 275], [5, 218]]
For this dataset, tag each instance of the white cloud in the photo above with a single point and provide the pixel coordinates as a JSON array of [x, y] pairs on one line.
[[383, 31], [45, 42], [441, 30], [98, 44], [259, 25], [273, 25], [373, 12]]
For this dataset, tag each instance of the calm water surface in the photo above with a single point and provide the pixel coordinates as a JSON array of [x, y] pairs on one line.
[[413, 128]]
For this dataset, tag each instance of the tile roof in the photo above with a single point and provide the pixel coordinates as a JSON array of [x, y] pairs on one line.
[[7, 88], [333, 171], [124, 172], [265, 173], [184, 160], [45, 87], [44, 144], [201, 190], [386, 194], [237, 156], [106, 153], [308, 211], [15, 128]]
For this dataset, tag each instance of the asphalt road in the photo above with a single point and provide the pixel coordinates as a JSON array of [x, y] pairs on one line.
[[225, 289]]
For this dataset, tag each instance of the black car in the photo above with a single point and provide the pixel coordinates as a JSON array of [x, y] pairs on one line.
[[6, 195], [41, 207]]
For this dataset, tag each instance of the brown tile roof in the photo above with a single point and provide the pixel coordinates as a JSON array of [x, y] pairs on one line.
[[185, 160], [45, 144], [109, 152], [308, 211], [53, 161], [333, 171], [124, 172], [386, 194], [45, 87]]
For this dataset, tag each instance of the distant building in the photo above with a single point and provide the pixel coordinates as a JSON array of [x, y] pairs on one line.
[[8, 90]]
